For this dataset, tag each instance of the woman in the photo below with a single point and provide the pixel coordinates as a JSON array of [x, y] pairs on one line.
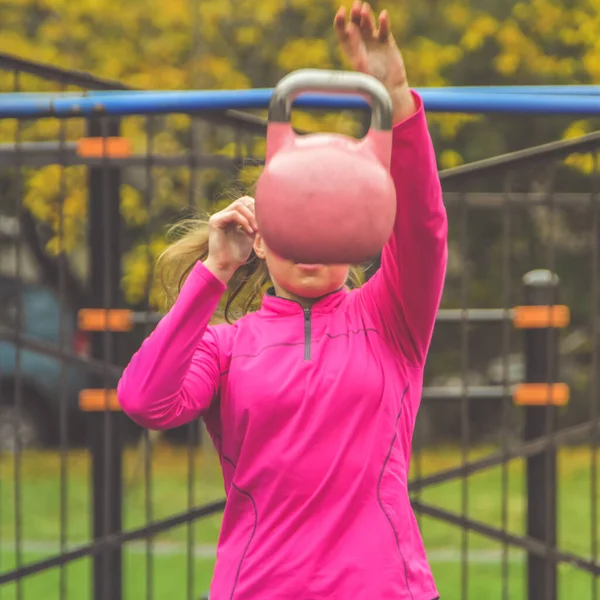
[[311, 400]]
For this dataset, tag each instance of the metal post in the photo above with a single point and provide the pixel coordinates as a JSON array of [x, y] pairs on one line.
[[541, 366], [104, 434]]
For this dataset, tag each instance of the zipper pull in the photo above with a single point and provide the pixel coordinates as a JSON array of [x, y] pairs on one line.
[[307, 333]]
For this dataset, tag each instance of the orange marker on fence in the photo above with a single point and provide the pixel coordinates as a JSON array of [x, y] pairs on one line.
[[98, 400], [104, 147], [99, 319], [541, 317]]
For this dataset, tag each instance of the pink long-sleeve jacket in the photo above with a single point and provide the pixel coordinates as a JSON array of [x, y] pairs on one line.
[[312, 411]]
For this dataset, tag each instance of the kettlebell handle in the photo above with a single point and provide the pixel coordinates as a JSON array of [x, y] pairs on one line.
[[339, 82]]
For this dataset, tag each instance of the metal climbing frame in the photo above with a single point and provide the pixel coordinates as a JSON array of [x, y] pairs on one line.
[[518, 225]]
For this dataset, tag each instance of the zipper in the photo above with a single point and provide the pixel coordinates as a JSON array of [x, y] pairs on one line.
[[307, 333]]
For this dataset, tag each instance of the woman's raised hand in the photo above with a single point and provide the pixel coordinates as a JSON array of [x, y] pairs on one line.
[[231, 234], [370, 48]]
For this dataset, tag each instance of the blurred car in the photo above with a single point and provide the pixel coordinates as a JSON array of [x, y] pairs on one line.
[[37, 423], [43, 378]]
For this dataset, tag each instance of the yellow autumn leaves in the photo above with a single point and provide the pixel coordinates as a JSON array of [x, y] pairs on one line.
[[240, 44]]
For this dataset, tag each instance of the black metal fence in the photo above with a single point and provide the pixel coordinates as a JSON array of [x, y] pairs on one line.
[[505, 468]]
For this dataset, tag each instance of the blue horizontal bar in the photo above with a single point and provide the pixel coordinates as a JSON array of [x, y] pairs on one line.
[[561, 90], [566, 90], [436, 100]]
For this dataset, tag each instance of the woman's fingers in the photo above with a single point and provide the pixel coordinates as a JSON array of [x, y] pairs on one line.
[[367, 22], [349, 35], [247, 210], [228, 218], [355, 12], [246, 201], [240, 213], [339, 22], [384, 26], [347, 31], [361, 24]]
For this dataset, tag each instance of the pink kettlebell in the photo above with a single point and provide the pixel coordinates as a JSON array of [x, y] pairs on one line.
[[327, 198]]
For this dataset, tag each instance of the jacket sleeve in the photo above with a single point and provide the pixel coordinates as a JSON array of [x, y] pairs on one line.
[[174, 376], [404, 295]]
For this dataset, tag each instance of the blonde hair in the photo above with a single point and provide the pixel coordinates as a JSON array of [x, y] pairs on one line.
[[246, 287]]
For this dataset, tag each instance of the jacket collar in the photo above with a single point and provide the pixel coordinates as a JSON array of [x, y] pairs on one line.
[[275, 305]]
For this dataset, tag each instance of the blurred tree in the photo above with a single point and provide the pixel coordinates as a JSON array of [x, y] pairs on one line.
[[237, 44]]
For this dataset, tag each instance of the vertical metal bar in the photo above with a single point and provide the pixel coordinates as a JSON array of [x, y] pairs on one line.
[[63, 401], [595, 366], [541, 288], [148, 193], [106, 341], [506, 402], [113, 454], [18, 358], [103, 433], [550, 454], [464, 402]]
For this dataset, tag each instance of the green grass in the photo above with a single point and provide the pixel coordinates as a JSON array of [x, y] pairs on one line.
[[40, 500]]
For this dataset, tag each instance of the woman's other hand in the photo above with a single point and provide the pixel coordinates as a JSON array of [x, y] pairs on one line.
[[230, 238], [373, 50]]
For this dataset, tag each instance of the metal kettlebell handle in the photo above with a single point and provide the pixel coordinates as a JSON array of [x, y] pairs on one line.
[[339, 82]]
